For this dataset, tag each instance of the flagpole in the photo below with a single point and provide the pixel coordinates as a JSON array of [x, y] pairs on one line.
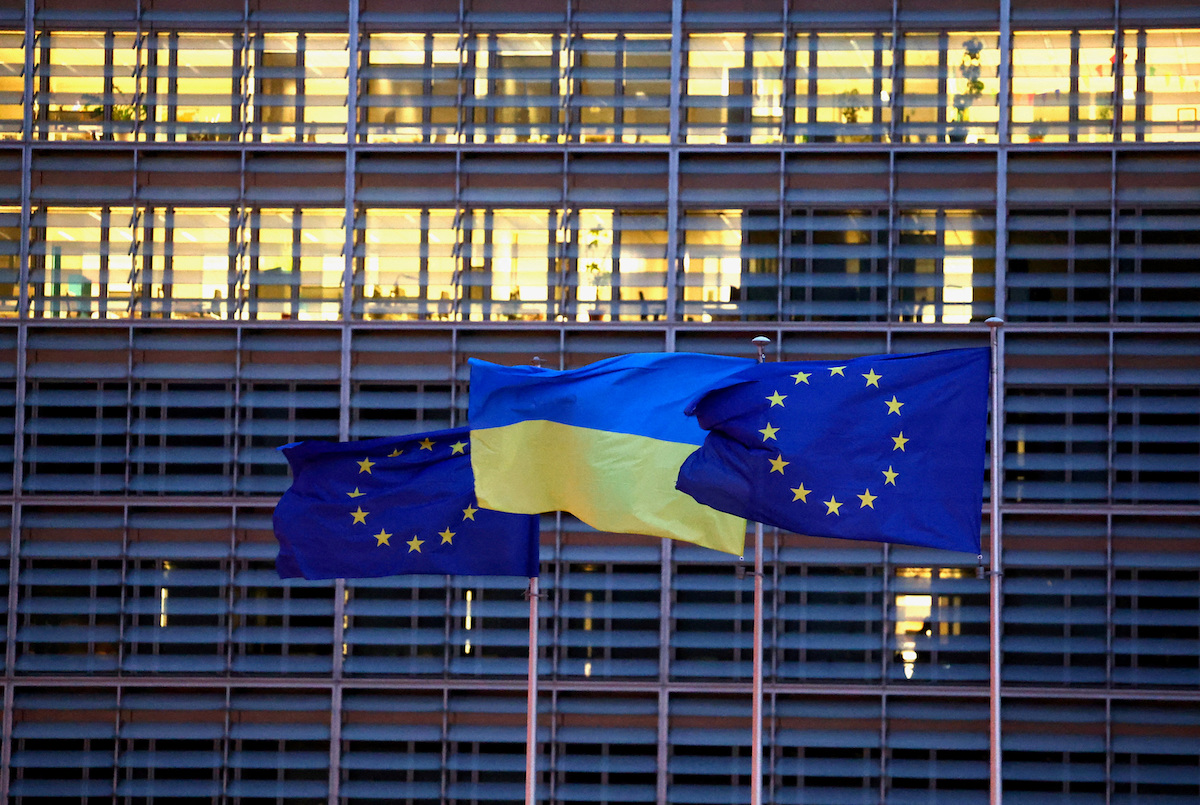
[[756, 717], [531, 701], [996, 790], [531, 675]]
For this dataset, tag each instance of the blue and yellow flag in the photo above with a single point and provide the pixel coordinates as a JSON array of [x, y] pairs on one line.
[[887, 448], [603, 442], [395, 506]]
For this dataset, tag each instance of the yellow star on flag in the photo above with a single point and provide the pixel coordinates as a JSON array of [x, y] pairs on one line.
[[777, 464], [893, 405], [395, 453], [837, 370], [356, 493], [801, 494], [769, 432], [446, 536], [802, 377], [890, 476], [427, 444], [832, 506], [900, 442], [382, 538], [359, 516], [415, 544], [365, 465], [777, 399], [868, 500], [457, 448], [872, 378], [469, 513]]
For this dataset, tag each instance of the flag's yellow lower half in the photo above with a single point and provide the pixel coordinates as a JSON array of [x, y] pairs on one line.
[[611, 481]]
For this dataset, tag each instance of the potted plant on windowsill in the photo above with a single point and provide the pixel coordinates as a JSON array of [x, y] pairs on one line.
[[1037, 130], [118, 113], [850, 103], [970, 68]]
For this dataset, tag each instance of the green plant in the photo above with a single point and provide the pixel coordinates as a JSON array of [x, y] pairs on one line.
[[850, 106], [1037, 130], [970, 68], [116, 111]]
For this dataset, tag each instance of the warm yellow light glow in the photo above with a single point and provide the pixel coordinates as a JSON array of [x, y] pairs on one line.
[[162, 607]]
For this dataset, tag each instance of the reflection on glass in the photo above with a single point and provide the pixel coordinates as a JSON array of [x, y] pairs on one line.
[[406, 260], [712, 265], [12, 85], [86, 87], [1062, 87], [927, 615], [839, 87], [299, 88], [10, 260], [1166, 84], [193, 87], [734, 88], [411, 87], [506, 257], [517, 84], [942, 260], [949, 86], [183, 266], [295, 264], [835, 265], [1058, 265], [80, 264]]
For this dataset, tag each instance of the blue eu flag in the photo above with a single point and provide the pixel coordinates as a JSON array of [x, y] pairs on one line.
[[394, 506], [887, 448]]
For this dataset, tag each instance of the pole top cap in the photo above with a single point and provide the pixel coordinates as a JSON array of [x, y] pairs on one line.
[[994, 321], [761, 340]]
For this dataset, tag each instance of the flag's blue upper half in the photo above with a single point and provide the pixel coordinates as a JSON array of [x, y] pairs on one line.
[[394, 506], [640, 394], [888, 448]]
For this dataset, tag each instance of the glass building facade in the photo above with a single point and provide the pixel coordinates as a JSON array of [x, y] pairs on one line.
[[229, 225]]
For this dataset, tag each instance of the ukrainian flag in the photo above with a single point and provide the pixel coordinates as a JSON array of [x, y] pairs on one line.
[[604, 442]]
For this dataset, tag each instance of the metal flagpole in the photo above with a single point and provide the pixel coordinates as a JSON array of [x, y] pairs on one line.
[[756, 718], [994, 760], [531, 702]]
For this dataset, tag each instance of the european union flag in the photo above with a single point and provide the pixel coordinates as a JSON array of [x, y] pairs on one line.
[[394, 506], [887, 448]]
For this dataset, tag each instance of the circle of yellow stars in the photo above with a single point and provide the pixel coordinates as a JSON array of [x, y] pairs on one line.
[[359, 517], [800, 493]]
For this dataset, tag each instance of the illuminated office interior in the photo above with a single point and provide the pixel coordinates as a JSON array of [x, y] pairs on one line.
[[232, 225]]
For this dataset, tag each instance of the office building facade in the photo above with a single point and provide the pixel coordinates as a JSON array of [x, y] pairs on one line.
[[229, 225]]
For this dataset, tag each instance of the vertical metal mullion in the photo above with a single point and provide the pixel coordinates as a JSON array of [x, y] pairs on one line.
[[672, 302], [18, 470], [896, 84], [1005, 74], [1108, 751], [1140, 90], [1118, 96], [884, 668], [1073, 89], [781, 241], [890, 298], [298, 97], [877, 89], [943, 81], [348, 247]]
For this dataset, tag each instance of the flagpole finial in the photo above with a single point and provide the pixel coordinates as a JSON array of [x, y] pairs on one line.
[[760, 343], [536, 361], [994, 322]]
